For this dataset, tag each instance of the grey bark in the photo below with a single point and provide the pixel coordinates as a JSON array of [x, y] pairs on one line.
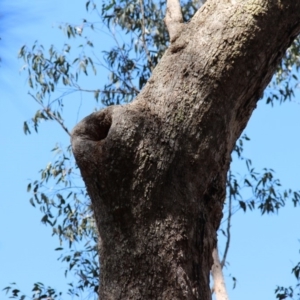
[[155, 169], [173, 19]]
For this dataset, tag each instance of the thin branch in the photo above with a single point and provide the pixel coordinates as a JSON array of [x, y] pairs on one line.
[[55, 191], [76, 88], [124, 57], [118, 91], [136, 90], [227, 230], [60, 122], [219, 287], [51, 115]]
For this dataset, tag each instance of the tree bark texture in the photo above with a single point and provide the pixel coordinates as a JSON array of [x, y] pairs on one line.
[[155, 169]]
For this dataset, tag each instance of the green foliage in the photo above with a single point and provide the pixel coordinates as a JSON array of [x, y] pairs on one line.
[[286, 79], [39, 292], [264, 189], [140, 39], [283, 293], [66, 208], [290, 292]]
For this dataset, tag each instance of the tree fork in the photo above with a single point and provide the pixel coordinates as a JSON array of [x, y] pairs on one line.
[[156, 168]]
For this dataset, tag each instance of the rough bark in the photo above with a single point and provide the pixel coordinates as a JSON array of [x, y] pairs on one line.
[[156, 169]]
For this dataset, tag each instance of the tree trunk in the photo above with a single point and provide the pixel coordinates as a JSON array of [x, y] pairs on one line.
[[155, 169]]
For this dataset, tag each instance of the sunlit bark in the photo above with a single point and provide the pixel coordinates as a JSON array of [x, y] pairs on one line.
[[155, 169]]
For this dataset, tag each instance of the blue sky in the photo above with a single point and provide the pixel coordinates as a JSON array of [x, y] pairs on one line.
[[263, 249]]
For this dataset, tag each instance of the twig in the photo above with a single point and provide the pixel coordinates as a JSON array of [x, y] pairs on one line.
[[132, 87], [51, 115], [60, 122], [227, 230]]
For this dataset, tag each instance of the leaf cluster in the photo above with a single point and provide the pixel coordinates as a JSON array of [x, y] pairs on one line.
[[39, 292]]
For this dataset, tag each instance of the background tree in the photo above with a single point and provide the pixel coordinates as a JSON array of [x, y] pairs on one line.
[[45, 74]]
